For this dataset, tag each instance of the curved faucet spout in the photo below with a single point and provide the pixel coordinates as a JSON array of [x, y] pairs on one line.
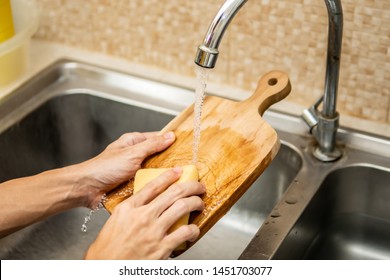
[[207, 53], [323, 125]]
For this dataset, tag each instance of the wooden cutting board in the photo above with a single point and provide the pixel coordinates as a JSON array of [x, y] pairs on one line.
[[236, 146]]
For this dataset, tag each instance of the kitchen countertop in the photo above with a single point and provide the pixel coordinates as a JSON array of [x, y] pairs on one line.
[[43, 53]]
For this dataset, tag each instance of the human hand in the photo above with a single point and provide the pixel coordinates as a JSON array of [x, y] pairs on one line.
[[119, 162], [138, 227]]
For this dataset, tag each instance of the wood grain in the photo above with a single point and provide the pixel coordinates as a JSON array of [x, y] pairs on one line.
[[235, 148]]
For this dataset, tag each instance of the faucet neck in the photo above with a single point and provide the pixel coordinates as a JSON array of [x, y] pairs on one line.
[[335, 35]]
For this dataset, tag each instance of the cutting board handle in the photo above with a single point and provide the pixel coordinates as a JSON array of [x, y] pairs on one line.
[[271, 88]]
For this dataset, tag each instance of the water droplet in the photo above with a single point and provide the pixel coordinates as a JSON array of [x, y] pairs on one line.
[[84, 228], [88, 218], [275, 214], [291, 200], [86, 221]]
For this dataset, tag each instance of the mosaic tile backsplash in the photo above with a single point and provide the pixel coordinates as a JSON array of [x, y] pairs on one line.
[[290, 35]]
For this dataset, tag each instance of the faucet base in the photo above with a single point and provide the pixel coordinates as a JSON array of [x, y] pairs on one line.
[[327, 157]]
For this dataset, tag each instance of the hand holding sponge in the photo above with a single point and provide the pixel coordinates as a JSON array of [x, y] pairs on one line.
[[144, 176]]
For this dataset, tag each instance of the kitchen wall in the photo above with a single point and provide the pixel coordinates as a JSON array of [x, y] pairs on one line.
[[289, 35]]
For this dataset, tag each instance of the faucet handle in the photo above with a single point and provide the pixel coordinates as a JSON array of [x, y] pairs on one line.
[[271, 88]]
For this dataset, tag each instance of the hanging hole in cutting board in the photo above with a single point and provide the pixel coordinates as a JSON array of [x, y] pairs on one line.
[[272, 81]]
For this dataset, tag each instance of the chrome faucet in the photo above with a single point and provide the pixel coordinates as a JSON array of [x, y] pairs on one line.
[[322, 124]]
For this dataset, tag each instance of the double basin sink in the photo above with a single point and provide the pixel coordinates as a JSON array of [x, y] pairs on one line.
[[299, 208]]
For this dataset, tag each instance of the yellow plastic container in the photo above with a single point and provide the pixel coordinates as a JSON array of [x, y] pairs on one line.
[[6, 21], [14, 52]]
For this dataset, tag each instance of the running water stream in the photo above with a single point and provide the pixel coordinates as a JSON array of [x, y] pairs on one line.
[[87, 218], [201, 79]]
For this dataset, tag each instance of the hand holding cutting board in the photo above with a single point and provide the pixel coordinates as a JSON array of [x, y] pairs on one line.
[[235, 148]]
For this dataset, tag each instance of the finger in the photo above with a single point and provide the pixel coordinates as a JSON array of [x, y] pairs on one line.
[[155, 144], [151, 134], [157, 186], [128, 139], [180, 208], [146, 135], [182, 234], [132, 138], [174, 193]]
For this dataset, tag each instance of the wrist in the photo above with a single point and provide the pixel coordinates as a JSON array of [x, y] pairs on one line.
[[82, 190], [86, 188]]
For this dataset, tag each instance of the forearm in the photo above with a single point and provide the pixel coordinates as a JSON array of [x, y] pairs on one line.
[[31, 199]]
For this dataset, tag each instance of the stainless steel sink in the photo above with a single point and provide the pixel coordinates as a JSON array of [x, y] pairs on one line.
[[65, 129], [348, 218], [299, 208], [71, 112], [336, 210]]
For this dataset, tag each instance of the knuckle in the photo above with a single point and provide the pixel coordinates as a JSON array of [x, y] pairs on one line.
[[136, 134], [144, 217], [182, 206], [167, 175], [132, 138], [164, 252], [138, 154], [125, 137], [179, 189], [199, 188], [199, 203], [145, 149], [153, 187], [190, 231], [195, 186], [123, 207]]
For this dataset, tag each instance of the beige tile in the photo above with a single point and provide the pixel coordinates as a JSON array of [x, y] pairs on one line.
[[289, 35]]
